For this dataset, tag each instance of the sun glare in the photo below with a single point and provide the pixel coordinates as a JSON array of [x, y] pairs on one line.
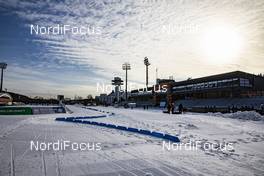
[[221, 45]]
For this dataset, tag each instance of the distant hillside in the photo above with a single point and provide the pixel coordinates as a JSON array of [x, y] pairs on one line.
[[19, 98], [25, 99]]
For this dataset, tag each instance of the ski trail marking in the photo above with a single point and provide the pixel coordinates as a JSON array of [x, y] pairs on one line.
[[12, 162], [44, 171]]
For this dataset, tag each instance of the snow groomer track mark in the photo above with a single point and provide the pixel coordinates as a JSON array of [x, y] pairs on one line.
[[84, 120]]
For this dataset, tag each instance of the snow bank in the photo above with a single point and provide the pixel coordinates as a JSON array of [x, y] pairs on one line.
[[245, 115]]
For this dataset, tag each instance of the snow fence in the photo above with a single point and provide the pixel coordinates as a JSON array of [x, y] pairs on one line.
[[118, 127]]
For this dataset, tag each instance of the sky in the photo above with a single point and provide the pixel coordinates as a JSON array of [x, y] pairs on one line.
[[181, 38]]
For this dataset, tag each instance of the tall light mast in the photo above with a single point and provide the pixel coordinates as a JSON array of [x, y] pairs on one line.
[[126, 66], [2, 66], [146, 62]]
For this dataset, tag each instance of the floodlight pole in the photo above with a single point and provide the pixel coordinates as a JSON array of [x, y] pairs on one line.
[[2, 66], [146, 62], [147, 77], [126, 84], [117, 82], [2, 75], [126, 66]]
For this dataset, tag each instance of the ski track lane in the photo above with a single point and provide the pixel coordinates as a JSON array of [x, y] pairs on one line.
[[151, 163], [115, 161]]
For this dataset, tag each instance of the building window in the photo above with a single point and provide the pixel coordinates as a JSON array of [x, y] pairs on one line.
[[245, 82]]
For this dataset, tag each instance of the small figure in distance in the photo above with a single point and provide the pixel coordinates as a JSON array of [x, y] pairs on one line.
[[169, 107], [172, 107], [262, 109], [180, 108]]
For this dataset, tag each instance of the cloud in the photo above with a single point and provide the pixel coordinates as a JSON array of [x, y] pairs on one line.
[[132, 30]]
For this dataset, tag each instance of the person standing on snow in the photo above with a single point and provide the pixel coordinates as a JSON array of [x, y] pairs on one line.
[[172, 107], [180, 108], [169, 107]]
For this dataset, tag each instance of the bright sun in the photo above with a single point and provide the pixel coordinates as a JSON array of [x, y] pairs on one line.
[[221, 45]]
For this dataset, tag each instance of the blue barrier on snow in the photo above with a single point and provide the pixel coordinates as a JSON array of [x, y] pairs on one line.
[[146, 132], [157, 134], [121, 128], [85, 120], [171, 138], [135, 130], [111, 126]]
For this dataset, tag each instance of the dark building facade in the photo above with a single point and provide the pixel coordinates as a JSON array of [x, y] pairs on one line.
[[230, 85], [235, 84]]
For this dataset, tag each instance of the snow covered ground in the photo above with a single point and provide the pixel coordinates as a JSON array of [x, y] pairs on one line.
[[124, 153]]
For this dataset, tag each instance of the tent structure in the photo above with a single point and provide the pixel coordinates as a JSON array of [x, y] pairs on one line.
[[5, 99]]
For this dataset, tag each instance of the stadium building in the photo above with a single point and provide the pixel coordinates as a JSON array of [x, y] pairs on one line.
[[223, 90], [229, 85]]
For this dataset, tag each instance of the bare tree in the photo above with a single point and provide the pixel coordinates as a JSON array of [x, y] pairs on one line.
[[89, 97]]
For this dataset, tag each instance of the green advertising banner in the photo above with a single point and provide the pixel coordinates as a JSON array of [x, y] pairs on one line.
[[15, 110]]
